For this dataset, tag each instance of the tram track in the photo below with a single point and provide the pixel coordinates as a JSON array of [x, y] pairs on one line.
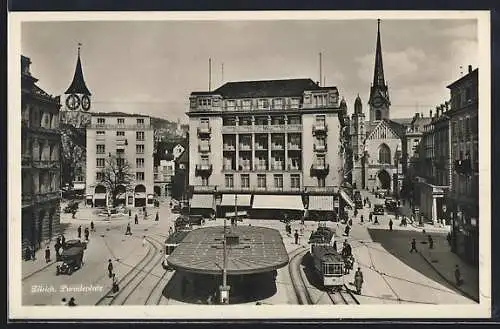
[[297, 278], [343, 297]]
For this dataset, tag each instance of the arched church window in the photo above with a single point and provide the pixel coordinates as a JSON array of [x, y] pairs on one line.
[[384, 154], [378, 115]]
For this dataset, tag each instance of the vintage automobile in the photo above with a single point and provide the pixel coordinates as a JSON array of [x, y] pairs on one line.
[[378, 209], [74, 243], [71, 259], [72, 206], [390, 204]]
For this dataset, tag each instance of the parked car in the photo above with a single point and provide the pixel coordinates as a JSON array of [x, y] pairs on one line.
[[391, 204], [72, 206], [378, 209]]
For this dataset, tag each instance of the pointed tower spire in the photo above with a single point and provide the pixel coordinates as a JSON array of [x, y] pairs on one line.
[[378, 76], [78, 85]]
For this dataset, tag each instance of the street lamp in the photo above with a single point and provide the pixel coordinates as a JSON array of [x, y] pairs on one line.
[[224, 288]]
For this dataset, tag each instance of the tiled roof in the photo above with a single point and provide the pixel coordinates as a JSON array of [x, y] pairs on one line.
[[266, 88], [398, 128], [403, 121]]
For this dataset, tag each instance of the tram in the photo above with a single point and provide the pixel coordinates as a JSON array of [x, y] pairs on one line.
[[329, 266], [171, 243], [323, 236]]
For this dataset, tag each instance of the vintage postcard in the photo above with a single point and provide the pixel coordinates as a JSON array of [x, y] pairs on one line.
[[259, 165]]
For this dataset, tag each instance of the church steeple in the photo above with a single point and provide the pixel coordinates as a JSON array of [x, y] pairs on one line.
[[78, 85], [378, 75]]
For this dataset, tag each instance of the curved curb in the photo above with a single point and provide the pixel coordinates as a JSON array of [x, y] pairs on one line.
[[466, 294]]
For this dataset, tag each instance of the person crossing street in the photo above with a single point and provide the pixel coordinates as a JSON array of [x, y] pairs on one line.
[[79, 230], [136, 219], [390, 224], [110, 268], [47, 254], [358, 280], [413, 246]]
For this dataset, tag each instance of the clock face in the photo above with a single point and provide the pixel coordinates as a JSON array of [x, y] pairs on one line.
[[85, 102], [72, 102], [378, 102]]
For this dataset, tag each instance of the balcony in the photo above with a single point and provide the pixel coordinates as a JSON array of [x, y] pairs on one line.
[[293, 147], [319, 148], [204, 148], [297, 128], [229, 148], [204, 130], [204, 188], [321, 189], [320, 170], [245, 147], [203, 170], [25, 160], [259, 147], [320, 128], [277, 147], [104, 126], [45, 164]]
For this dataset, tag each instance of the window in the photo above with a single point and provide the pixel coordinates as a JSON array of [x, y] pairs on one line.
[[204, 160], [100, 133], [205, 102], [139, 162], [321, 181], [261, 181], [263, 104], [231, 104], [100, 149], [247, 104], [120, 121], [120, 133], [139, 149], [139, 135], [204, 181], [99, 176], [278, 103], [320, 160], [320, 120], [378, 115], [384, 154], [120, 152], [245, 181], [204, 122], [229, 181], [294, 103], [140, 121], [101, 121], [120, 162], [321, 141], [278, 181], [295, 181], [139, 176], [293, 120], [99, 162]]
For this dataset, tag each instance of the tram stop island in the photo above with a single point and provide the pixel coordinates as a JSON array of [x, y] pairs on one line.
[[244, 268]]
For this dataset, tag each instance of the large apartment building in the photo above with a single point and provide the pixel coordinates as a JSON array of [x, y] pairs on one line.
[[268, 142], [129, 139], [40, 162]]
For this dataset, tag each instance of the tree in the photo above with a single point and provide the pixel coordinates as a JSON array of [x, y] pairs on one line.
[[72, 155], [116, 173]]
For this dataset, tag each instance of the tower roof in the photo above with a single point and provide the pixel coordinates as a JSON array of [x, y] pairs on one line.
[[78, 85], [378, 75], [358, 105]]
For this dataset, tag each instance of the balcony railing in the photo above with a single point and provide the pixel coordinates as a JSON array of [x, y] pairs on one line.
[[204, 130], [204, 148], [320, 170], [45, 164], [323, 189], [203, 169], [262, 128], [120, 126], [229, 148], [245, 147], [293, 147], [278, 147], [319, 128], [260, 147], [319, 148], [204, 188]]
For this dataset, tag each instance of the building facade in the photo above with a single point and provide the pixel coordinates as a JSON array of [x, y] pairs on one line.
[[128, 138], [377, 143], [463, 201], [267, 138], [40, 162]]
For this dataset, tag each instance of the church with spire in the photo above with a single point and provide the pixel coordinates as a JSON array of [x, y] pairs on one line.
[[377, 140]]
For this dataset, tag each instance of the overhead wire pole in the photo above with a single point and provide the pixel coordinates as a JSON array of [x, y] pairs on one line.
[[320, 69], [209, 74]]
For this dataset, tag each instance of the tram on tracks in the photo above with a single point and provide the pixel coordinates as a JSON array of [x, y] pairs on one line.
[[329, 266], [323, 236], [171, 243]]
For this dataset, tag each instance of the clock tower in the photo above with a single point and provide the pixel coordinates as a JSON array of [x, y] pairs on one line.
[[379, 92], [77, 99]]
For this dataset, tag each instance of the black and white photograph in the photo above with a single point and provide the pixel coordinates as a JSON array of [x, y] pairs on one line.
[[249, 165]]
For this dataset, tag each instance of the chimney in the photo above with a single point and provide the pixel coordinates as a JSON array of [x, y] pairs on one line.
[[470, 68]]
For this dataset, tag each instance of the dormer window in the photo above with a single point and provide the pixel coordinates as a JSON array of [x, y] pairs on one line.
[[247, 103], [294, 103], [101, 121], [231, 104]]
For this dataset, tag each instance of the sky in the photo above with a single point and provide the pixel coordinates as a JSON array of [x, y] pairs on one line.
[[151, 67]]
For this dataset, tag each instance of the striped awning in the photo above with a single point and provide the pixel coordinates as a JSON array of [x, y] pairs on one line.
[[321, 202], [289, 202], [346, 198], [205, 201], [242, 200]]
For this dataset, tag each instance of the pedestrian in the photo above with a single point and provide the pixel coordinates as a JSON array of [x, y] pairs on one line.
[[413, 246], [364, 202], [458, 276], [431, 242], [335, 245], [87, 233], [390, 224], [144, 241], [129, 213], [73, 213], [64, 302], [361, 218], [79, 231], [170, 204], [296, 235], [63, 240], [92, 227], [347, 229], [157, 217], [370, 217], [47, 254], [170, 231], [350, 222], [355, 212], [376, 220], [110, 268], [116, 287], [72, 302], [136, 219], [358, 280]]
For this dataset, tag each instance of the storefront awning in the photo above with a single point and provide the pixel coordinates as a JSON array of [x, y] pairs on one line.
[[346, 198], [289, 202], [242, 200], [100, 196], [321, 202], [79, 186], [205, 201]]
